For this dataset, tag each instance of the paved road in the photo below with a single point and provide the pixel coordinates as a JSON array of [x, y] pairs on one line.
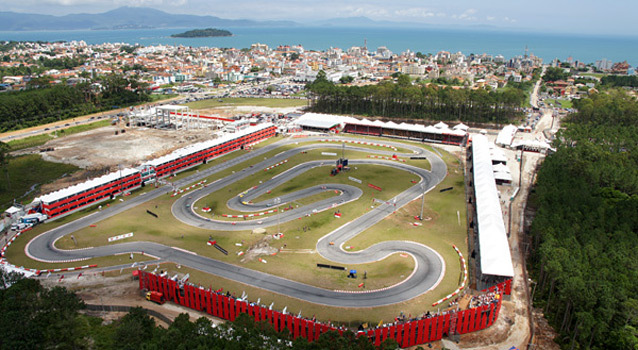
[[429, 264]]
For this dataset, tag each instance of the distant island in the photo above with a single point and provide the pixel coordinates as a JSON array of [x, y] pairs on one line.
[[202, 33]]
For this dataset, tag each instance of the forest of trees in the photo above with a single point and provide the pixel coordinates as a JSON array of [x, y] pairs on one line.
[[21, 109], [620, 80], [584, 236], [36, 317], [402, 99]]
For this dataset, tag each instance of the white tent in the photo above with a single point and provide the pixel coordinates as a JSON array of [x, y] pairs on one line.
[[500, 168], [461, 127], [440, 125], [506, 135], [495, 256]]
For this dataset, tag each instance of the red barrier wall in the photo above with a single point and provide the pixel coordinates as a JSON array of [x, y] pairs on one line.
[[407, 334]]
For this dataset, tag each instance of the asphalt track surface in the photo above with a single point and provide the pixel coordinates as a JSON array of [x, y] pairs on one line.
[[428, 272]]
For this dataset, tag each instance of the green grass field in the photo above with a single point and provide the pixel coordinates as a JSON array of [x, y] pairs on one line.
[[298, 261], [28, 172], [238, 101], [559, 103]]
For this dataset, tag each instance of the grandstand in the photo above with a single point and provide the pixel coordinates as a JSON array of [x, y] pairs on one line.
[[71, 199]]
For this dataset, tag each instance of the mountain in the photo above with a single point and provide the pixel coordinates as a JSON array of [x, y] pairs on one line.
[[123, 17]]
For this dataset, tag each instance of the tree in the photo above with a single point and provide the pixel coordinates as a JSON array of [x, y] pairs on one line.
[[134, 329], [346, 79], [4, 162]]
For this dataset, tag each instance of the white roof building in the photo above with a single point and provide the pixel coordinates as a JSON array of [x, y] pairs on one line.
[[495, 256]]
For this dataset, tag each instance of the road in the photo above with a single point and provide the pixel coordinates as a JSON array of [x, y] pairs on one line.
[[429, 265]]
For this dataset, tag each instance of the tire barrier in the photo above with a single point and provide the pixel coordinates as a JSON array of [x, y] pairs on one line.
[[178, 191], [276, 165], [117, 238], [386, 158], [375, 187], [250, 215], [458, 290], [407, 332]]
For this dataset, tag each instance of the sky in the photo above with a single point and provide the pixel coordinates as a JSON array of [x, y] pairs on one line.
[[612, 17]]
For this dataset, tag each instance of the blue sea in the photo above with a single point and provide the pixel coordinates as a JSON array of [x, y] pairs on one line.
[[583, 48]]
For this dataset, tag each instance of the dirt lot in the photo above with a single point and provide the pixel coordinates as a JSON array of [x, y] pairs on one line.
[[102, 148], [96, 289]]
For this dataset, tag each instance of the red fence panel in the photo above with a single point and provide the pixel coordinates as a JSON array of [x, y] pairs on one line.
[[485, 315], [295, 327], [226, 312], [385, 334], [231, 309], [408, 334], [490, 317], [508, 287], [446, 325], [433, 322], [377, 337], [311, 331], [412, 337], [439, 328], [470, 327], [186, 299], [420, 325], [209, 309], [303, 324], [392, 332], [198, 298], [214, 303], [289, 323], [399, 336], [460, 321], [405, 337], [275, 320]]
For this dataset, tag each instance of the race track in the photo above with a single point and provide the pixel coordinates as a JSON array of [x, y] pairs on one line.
[[427, 274]]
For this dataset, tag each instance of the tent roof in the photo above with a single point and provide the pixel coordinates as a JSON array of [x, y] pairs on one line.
[[506, 135], [440, 125], [461, 126], [495, 255], [500, 168], [12, 210]]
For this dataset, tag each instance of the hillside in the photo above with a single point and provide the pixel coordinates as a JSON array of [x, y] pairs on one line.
[[122, 18]]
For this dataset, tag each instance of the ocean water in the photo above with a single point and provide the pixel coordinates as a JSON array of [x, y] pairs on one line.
[[586, 49]]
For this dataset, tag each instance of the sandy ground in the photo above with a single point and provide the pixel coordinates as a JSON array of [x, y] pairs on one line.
[[102, 148]]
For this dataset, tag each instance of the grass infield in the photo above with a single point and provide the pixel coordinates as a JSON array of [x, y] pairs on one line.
[[446, 226]]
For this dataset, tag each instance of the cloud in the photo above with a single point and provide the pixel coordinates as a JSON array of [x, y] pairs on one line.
[[509, 20], [490, 18], [415, 12], [467, 15]]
